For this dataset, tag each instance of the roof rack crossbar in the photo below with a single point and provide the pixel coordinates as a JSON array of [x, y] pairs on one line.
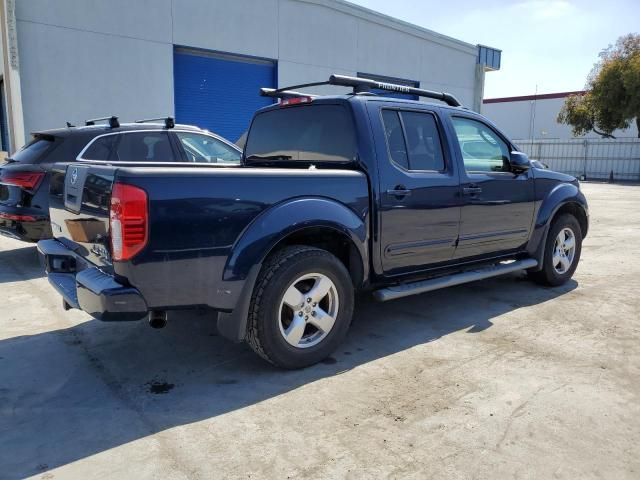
[[360, 85], [113, 121], [169, 122]]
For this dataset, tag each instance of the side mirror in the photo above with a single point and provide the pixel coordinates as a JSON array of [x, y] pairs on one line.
[[519, 162]]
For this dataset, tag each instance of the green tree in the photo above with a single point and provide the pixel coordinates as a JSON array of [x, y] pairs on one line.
[[612, 100]]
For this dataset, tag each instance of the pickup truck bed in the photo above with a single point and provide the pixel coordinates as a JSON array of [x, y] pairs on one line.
[[193, 237]]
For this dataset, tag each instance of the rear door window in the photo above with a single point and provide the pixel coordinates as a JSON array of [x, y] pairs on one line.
[[312, 133], [423, 141], [131, 147], [413, 140], [395, 138], [144, 147], [102, 148]]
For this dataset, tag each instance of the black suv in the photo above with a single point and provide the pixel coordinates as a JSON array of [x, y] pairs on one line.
[[24, 177]]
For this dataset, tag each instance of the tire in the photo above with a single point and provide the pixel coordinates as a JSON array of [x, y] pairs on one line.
[[300, 335], [553, 273]]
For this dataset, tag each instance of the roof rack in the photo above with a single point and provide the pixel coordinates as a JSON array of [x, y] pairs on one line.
[[284, 94], [113, 121], [360, 85], [169, 122]]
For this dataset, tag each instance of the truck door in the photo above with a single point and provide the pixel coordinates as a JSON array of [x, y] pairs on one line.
[[419, 188], [498, 204]]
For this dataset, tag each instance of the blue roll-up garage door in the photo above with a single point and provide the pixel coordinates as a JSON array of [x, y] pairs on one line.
[[220, 92]]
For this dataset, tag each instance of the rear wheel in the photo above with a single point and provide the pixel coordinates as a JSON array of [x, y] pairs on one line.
[[301, 307], [561, 252]]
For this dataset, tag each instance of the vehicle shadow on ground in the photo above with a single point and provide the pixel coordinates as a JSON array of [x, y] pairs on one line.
[[24, 261], [72, 393]]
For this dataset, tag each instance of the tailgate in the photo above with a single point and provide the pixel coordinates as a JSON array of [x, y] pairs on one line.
[[79, 205]]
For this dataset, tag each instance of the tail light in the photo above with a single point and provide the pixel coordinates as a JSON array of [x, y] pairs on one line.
[[17, 218], [129, 221], [295, 101], [27, 180]]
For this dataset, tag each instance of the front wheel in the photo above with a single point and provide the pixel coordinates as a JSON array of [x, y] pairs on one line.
[[561, 252], [301, 307]]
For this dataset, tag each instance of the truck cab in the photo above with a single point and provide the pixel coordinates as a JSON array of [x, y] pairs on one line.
[[448, 190]]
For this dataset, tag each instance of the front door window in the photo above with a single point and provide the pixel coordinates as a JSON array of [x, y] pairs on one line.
[[482, 149]]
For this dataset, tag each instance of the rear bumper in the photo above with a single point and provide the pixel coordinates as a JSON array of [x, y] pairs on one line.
[[88, 288]]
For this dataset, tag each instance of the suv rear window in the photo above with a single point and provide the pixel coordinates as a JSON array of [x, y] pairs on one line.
[[312, 133], [34, 151]]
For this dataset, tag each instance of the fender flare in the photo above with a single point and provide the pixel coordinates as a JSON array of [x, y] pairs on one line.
[[270, 228], [562, 195], [284, 219]]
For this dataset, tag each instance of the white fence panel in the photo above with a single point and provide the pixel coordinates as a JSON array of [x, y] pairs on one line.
[[592, 159]]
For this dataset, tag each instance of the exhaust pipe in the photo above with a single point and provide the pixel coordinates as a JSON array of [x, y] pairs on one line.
[[158, 319]]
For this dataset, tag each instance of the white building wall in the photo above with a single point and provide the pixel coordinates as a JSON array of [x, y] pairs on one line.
[[82, 59], [528, 119]]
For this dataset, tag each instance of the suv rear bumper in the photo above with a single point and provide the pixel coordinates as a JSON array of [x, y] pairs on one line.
[[88, 288]]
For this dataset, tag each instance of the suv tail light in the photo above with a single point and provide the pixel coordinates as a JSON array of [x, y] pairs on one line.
[[27, 180], [129, 221]]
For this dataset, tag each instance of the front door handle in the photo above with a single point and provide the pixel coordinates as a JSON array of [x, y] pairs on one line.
[[471, 190], [399, 191]]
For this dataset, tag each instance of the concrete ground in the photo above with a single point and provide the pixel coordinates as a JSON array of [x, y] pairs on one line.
[[497, 379]]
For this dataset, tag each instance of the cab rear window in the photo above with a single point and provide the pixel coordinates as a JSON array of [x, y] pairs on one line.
[[310, 133]]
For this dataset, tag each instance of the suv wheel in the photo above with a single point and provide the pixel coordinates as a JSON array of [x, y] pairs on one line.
[[301, 307], [561, 252]]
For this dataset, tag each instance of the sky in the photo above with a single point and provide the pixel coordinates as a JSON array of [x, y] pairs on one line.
[[550, 45]]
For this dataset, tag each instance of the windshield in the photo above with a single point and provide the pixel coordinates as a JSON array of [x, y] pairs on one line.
[[32, 152], [314, 133]]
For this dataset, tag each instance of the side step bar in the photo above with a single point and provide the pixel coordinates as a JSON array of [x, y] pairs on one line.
[[406, 289]]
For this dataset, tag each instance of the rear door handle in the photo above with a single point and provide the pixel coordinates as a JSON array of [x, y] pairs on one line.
[[399, 191], [471, 190]]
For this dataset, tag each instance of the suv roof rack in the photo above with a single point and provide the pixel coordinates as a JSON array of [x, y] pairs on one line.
[[360, 85], [169, 122], [113, 121]]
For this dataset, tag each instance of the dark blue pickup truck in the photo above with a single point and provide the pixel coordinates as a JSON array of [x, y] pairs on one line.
[[335, 195]]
